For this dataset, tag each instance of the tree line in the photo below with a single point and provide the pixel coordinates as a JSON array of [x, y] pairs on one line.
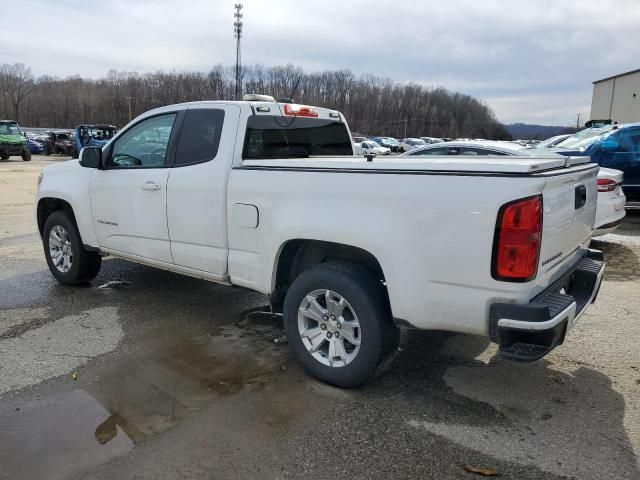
[[372, 105]]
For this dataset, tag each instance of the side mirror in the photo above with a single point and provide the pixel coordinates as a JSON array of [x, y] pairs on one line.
[[91, 157]]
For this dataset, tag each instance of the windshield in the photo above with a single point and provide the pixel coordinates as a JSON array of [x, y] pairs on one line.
[[281, 137], [585, 137], [9, 129]]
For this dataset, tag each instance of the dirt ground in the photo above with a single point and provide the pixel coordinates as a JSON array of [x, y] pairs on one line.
[[147, 374]]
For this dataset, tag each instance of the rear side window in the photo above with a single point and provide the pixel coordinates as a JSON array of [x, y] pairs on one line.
[[199, 136], [294, 137]]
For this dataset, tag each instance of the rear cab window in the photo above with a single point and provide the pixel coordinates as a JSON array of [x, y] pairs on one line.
[[271, 136]]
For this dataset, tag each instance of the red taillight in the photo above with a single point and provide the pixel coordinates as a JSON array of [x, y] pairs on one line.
[[606, 185], [299, 110], [517, 240]]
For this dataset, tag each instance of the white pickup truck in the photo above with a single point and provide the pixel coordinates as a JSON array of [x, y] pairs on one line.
[[269, 196]]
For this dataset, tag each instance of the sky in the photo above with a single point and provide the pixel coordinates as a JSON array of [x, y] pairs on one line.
[[530, 61]]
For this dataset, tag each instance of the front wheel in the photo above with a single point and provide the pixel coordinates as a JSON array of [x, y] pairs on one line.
[[68, 261], [26, 155], [338, 322]]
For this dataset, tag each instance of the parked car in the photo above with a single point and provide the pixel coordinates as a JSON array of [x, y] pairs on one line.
[[430, 140], [611, 146], [389, 142], [59, 142], [370, 147], [34, 146], [282, 207], [552, 142], [12, 142], [407, 144], [611, 200]]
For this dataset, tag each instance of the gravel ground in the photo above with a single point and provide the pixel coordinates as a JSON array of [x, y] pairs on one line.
[[147, 374]]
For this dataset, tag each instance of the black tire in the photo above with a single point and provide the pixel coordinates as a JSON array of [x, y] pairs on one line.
[[74, 153], [368, 299], [47, 149], [85, 265], [26, 155], [5, 157]]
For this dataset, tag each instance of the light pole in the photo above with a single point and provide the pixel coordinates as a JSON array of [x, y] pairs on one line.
[[237, 28]]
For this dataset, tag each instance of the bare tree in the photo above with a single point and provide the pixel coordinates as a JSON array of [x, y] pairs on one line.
[[15, 83], [372, 105]]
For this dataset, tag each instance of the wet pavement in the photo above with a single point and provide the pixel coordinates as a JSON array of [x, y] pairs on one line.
[[148, 374]]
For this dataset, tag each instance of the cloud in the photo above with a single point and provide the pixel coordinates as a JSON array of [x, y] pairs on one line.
[[526, 59]]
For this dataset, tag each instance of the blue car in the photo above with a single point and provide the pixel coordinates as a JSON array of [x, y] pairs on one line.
[[34, 147], [611, 146], [91, 136]]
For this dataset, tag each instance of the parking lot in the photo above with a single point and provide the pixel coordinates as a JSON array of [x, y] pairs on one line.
[[149, 374]]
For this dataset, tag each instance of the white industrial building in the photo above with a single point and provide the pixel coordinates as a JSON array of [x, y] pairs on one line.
[[617, 98]]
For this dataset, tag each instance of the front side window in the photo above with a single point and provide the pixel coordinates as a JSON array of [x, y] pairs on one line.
[[143, 145], [294, 137], [199, 136]]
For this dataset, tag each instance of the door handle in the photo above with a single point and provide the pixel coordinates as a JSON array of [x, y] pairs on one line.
[[149, 185]]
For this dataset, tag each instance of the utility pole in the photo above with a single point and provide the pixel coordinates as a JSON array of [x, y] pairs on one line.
[[578, 122], [237, 28]]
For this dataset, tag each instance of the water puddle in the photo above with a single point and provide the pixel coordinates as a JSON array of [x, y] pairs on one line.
[[58, 437], [128, 399]]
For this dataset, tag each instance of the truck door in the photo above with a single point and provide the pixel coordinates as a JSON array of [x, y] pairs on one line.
[[129, 195], [197, 187]]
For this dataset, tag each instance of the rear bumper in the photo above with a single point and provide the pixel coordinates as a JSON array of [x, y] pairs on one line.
[[528, 332], [608, 227]]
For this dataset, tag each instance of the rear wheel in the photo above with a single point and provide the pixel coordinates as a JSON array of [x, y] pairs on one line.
[[47, 149], [68, 261], [5, 157], [26, 155], [338, 322]]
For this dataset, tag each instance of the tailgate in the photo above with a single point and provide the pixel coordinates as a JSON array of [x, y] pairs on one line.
[[569, 201]]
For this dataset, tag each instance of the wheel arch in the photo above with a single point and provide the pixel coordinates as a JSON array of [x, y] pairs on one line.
[[48, 205], [297, 255]]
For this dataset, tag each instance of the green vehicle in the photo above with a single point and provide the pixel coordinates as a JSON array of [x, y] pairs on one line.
[[12, 142]]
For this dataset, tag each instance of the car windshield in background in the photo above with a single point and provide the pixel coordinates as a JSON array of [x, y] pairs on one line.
[[294, 137], [99, 133], [9, 129], [585, 138]]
